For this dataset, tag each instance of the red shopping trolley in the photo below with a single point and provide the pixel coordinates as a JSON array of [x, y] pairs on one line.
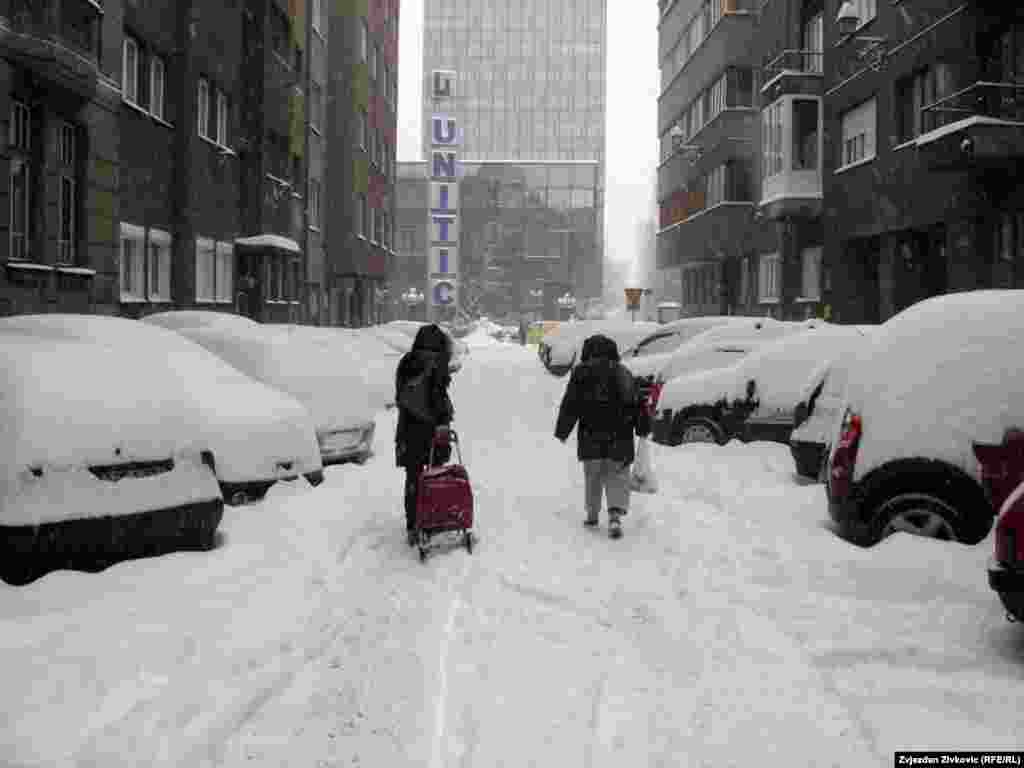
[[444, 498]]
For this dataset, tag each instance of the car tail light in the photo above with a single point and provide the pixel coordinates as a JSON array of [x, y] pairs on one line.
[[844, 458], [1010, 532], [1002, 466], [653, 396]]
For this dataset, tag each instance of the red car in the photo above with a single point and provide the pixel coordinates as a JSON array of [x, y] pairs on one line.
[[1002, 472]]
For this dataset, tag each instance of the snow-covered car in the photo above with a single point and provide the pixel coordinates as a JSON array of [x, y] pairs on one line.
[[670, 336], [1002, 473], [101, 458], [197, 318], [560, 347], [256, 435], [665, 366], [820, 405], [941, 375], [752, 399], [341, 382]]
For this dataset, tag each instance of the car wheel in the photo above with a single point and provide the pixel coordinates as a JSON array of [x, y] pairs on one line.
[[919, 515], [699, 430]]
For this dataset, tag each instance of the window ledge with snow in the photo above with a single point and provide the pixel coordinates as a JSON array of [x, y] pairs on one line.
[[768, 300], [807, 299]]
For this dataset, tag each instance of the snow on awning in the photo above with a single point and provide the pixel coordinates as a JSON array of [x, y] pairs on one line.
[[83, 271], [269, 241], [29, 266], [960, 125]]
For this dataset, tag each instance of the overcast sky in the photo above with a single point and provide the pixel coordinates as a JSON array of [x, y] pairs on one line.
[[632, 148]]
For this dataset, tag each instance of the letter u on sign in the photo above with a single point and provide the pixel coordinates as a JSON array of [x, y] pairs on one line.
[[443, 131]]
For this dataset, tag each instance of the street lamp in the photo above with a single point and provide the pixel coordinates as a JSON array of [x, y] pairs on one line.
[[412, 297], [874, 52], [567, 302]]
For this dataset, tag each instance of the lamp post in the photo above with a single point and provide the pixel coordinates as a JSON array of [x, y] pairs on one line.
[[412, 298], [567, 302]]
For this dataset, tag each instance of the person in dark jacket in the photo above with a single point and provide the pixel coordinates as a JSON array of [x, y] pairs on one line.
[[601, 402], [430, 356]]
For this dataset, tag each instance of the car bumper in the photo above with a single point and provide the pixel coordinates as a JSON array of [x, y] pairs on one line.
[[1003, 577], [808, 457]]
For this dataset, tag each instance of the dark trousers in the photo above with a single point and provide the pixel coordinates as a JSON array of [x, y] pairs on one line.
[[412, 475]]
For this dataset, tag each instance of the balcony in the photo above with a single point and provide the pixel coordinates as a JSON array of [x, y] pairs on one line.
[[794, 73], [56, 39], [707, 235], [981, 126], [791, 183]]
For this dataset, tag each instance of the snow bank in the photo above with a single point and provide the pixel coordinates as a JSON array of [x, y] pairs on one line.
[[186, 318], [939, 375]]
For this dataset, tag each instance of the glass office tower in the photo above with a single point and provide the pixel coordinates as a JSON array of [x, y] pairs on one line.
[[530, 103]]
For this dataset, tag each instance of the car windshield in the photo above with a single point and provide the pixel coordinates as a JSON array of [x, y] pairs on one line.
[[659, 344], [702, 360]]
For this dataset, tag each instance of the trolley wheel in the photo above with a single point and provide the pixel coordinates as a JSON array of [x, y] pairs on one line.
[[468, 536]]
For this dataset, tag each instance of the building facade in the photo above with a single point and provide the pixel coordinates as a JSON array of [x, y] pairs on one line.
[[362, 139], [181, 170], [881, 162], [60, 68], [530, 96]]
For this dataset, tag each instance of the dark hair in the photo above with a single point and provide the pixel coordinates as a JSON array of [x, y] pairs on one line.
[[600, 346], [432, 338]]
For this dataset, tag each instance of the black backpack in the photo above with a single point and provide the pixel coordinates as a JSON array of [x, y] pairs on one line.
[[607, 399]]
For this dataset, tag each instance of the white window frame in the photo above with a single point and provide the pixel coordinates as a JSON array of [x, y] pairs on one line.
[[203, 107], [157, 87], [769, 278], [131, 271], [810, 273], [205, 267], [20, 141], [159, 246], [858, 134], [224, 273], [314, 204], [364, 39], [130, 71], [222, 113]]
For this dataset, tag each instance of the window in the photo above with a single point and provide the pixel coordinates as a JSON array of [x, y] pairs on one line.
[[67, 237], [20, 141], [858, 134], [810, 273], [203, 107], [280, 34], [314, 203], [158, 265], [157, 80], [224, 273], [772, 137], [715, 187], [363, 40], [222, 118], [316, 106], [132, 267], [744, 297], [769, 277], [917, 91], [206, 269], [813, 43], [360, 215], [805, 134], [130, 71]]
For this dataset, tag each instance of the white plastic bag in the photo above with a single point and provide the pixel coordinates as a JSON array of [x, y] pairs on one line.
[[641, 477]]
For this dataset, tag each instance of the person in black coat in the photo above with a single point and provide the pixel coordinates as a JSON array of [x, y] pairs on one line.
[[430, 357], [601, 400]]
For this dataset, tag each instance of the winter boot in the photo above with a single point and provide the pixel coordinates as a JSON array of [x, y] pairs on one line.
[[614, 523], [590, 522]]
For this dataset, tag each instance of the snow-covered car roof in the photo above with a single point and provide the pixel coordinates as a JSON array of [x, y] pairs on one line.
[[249, 426], [335, 380], [188, 318], [778, 367], [682, 330], [941, 374], [565, 341]]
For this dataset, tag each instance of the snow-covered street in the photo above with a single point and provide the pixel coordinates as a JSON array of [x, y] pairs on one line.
[[728, 627]]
